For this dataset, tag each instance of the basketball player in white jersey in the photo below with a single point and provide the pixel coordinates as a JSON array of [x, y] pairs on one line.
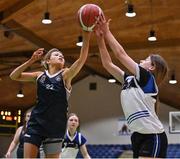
[[74, 140], [139, 93]]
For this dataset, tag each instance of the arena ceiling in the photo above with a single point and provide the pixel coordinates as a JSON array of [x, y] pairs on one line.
[[21, 32]]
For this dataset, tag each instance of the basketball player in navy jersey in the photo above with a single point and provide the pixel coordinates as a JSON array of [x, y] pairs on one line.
[[138, 95], [74, 140], [18, 139], [47, 124]]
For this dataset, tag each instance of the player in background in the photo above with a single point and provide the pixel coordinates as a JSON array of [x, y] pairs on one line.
[[74, 140]]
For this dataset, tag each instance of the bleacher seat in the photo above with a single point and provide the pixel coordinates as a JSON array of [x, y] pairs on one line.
[[114, 151]]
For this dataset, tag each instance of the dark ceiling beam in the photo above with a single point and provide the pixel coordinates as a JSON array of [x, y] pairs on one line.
[[9, 63], [6, 71], [7, 68], [155, 44], [76, 50], [33, 38], [89, 69], [13, 9], [73, 51], [16, 54], [28, 35]]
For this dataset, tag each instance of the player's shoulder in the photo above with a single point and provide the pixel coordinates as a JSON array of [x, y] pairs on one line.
[[65, 69], [19, 129], [38, 73]]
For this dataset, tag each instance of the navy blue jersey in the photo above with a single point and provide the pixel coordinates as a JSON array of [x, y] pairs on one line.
[[71, 145], [20, 149], [49, 117], [21, 138], [74, 142]]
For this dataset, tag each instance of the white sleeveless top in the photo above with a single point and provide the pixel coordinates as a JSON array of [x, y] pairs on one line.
[[138, 102]]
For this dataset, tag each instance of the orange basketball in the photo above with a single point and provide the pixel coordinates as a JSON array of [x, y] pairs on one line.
[[87, 14]]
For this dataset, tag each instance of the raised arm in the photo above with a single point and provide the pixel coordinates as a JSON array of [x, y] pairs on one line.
[[117, 49], [106, 59], [14, 143], [70, 73], [19, 75], [84, 152]]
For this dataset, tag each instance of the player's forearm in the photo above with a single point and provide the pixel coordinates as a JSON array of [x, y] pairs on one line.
[[105, 57], [17, 72], [87, 157], [85, 47], [114, 45], [11, 147]]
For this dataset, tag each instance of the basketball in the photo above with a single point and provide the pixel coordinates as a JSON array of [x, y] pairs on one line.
[[87, 16]]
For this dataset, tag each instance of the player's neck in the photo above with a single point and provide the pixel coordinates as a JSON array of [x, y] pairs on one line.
[[72, 132], [53, 70]]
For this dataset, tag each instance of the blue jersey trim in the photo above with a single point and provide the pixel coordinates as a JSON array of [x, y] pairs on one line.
[[137, 115]]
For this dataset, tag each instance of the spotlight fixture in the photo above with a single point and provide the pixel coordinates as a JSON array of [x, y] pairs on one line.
[[112, 80], [173, 79], [80, 41], [130, 11], [152, 36], [46, 19], [20, 94]]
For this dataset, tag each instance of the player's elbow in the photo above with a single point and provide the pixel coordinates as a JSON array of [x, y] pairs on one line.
[[13, 76]]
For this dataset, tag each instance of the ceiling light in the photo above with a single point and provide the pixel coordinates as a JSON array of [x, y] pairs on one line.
[[130, 11], [46, 19], [80, 41], [111, 80], [20, 94], [173, 79], [152, 36]]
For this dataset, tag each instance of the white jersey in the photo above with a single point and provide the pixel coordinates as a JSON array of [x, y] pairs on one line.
[[138, 98], [71, 145]]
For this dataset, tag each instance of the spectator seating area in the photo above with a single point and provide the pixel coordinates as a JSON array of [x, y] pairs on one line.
[[115, 151]]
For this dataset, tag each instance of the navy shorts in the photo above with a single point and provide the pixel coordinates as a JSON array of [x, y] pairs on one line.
[[149, 145]]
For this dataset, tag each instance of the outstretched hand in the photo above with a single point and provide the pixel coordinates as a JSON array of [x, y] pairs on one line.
[[102, 25], [37, 55]]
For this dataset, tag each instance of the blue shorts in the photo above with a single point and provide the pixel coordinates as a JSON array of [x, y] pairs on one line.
[[49, 145]]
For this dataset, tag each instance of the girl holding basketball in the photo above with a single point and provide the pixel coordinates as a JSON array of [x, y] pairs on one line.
[[74, 140], [139, 93], [47, 124]]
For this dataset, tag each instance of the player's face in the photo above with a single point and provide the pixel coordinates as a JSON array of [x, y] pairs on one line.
[[73, 122], [27, 116], [147, 63], [57, 58]]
